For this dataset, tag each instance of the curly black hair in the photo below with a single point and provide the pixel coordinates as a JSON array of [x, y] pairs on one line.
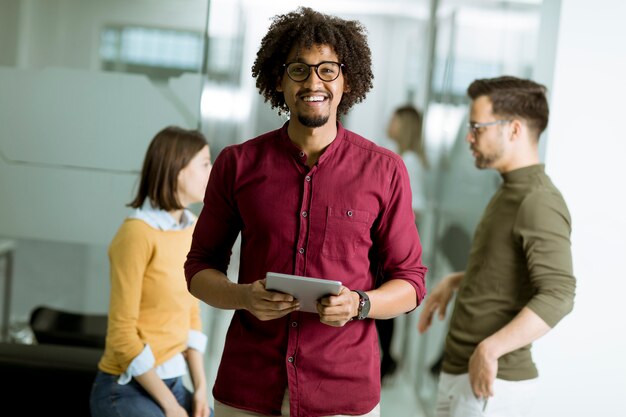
[[305, 28]]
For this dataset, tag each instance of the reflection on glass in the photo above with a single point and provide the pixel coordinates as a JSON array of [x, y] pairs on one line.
[[158, 53]]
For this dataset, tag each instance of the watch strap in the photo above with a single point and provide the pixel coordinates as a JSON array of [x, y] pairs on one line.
[[364, 305]]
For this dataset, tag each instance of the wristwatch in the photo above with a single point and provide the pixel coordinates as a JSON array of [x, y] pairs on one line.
[[364, 305]]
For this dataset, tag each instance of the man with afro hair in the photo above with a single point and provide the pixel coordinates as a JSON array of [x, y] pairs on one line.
[[310, 199]]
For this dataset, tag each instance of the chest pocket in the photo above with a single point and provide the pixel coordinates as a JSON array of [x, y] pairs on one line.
[[345, 230]]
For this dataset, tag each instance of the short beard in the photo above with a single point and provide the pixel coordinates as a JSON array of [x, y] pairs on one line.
[[487, 161], [482, 163], [313, 121]]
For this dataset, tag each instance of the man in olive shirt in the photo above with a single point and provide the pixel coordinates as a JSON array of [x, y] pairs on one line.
[[518, 283]]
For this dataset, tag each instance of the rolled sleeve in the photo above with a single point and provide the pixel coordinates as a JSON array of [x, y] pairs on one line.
[[544, 226], [197, 340], [138, 366]]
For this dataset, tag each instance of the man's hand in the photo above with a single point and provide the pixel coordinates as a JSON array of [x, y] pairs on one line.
[[269, 305], [337, 310], [483, 368], [524, 329], [438, 299]]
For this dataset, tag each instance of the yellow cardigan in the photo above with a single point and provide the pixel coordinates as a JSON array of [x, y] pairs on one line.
[[149, 303]]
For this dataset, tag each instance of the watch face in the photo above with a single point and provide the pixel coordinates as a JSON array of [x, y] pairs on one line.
[[366, 309]]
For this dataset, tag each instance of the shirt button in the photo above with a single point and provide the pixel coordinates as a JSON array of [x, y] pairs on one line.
[[307, 178], [301, 154], [349, 213], [290, 359], [301, 250], [294, 324], [304, 214]]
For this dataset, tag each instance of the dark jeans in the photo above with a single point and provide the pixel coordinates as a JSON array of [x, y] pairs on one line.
[[110, 399]]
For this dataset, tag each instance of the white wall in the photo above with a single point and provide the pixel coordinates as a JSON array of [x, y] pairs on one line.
[[582, 361]]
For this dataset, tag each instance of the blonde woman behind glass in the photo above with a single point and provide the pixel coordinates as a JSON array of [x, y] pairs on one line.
[[405, 128]]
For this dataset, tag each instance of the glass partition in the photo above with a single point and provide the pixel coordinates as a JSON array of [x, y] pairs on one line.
[[85, 86]]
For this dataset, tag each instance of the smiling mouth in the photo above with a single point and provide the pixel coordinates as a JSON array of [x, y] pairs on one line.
[[313, 99]]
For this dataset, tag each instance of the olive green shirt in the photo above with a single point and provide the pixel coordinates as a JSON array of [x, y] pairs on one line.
[[520, 257]]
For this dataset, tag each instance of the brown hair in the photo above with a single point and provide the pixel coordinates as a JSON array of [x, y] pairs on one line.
[[515, 97], [305, 28], [169, 152], [410, 131]]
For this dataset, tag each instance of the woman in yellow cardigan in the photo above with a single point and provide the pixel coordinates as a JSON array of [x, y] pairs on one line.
[[154, 331]]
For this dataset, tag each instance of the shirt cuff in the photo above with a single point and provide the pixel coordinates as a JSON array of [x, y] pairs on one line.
[[139, 366], [197, 340]]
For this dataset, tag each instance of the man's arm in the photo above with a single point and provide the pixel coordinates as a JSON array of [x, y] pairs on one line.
[[524, 329], [391, 299], [401, 254], [214, 288]]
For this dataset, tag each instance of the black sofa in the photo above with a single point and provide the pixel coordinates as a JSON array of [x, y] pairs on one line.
[[47, 379], [54, 376]]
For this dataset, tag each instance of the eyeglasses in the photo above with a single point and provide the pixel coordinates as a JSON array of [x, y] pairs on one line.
[[326, 71], [473, 127]]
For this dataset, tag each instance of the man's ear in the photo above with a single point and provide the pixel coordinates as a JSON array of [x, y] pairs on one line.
[[279, 85], [516, 129]]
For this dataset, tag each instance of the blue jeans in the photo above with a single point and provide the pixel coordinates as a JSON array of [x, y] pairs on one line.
[[110, 399]]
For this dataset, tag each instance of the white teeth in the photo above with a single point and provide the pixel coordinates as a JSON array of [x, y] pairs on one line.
[[313, 98]]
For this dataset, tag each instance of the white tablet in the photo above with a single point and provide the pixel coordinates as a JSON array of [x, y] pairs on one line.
[[306, 290]]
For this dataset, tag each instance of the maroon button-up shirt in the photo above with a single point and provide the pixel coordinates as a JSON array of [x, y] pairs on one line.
[[348, 218]]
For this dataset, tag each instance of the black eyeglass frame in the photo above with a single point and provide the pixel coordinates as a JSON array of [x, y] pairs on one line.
[[315, 68]]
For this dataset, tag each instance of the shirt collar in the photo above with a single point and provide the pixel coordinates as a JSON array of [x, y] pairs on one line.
[[161, 219], [300, 155], [520, 174]]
